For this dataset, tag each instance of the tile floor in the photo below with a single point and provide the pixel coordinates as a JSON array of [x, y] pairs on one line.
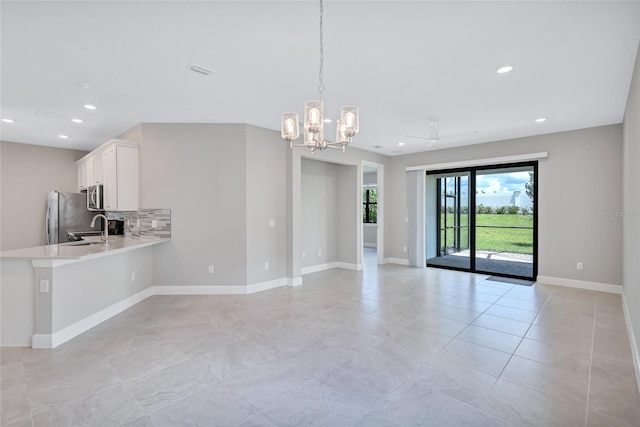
[[389, 346]]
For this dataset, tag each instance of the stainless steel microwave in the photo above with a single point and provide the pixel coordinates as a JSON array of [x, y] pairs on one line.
[[94, 198]]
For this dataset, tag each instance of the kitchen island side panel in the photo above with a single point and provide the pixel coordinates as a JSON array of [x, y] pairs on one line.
[[16, 303], [82, 289]]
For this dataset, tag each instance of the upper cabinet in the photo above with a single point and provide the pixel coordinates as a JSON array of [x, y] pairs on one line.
[[115, 166]]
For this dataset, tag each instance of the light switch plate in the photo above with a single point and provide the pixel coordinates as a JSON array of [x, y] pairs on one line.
[[44, 286], [154, 223], [272, 223]]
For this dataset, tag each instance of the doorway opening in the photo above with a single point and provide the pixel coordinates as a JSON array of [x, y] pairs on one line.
[[483, 220], [372, 231]]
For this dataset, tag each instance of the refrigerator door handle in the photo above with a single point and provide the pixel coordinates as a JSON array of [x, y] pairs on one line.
[[46, 225]]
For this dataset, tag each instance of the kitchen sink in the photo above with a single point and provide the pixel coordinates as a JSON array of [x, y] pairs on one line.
[[85, 243]]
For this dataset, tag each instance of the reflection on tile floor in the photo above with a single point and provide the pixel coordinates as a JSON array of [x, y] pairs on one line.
[[388, 346]]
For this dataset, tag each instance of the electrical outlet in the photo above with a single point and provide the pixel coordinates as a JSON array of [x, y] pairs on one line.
[[406, 219], [138, 223], [319, 252], [304, 255], [404, 249], [271, 223], [579, 266], [266, 265], [154, 223], [133, 276], [211, 269], [44, 286]]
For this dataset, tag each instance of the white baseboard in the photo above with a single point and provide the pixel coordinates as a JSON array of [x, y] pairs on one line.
[[226, 289], [200, 290], [83, 325], [265, 286], [370, 245], [400, 261], [635, 351], [580, 284], [329, 266], [43, 341], [347, 266]]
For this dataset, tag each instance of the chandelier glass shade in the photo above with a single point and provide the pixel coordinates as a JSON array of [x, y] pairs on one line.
[[313, 121]]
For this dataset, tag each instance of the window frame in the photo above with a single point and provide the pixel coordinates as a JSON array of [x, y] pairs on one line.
[[366, 205]]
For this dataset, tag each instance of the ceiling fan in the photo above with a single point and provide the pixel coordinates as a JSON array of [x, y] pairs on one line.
[[434, 135]]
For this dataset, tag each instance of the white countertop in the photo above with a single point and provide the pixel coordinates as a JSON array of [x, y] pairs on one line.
[[78, 251]]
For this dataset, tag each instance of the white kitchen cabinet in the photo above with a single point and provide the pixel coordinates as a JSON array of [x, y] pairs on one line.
[[110, 178], [82, 176], [96, 170], [115, 166], [89, 171]]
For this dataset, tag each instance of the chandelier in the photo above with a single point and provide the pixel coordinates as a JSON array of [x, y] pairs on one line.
[[346, 127]]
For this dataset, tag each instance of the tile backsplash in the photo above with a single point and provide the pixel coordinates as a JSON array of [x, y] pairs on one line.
[[146, 218]]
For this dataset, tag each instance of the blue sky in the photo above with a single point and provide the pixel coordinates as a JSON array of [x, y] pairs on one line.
[[502, 183]]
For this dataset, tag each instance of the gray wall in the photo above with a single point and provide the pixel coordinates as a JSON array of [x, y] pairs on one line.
[[296, 223], [585, 163], [370, 235], [222, 182], [266, 199], [27, 174], [349, 202], [198, 171], [319, 212], [369, 178], [631, 208], [329, 212]]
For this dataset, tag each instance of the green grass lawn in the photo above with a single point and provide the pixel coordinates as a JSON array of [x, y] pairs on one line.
[[498, 239]]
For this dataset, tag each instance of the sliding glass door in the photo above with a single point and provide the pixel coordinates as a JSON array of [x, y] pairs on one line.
[[450, 220], [483, 220]]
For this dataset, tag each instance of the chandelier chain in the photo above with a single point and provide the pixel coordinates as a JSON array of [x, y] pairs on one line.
[[320, 74]]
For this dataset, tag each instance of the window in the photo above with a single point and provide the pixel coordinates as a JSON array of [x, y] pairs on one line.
[[370, 205]]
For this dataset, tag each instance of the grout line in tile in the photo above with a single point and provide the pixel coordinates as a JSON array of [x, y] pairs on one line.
[[520, 343], [593, 338]]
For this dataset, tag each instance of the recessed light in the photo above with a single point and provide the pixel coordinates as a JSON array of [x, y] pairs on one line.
[[8, 120], [77, 120], [327, 120], [90, 107], [541, 119], [64, 136], [401, 143], [504, 69]]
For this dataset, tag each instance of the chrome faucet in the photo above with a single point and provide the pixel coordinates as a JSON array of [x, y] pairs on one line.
[[105, 232]]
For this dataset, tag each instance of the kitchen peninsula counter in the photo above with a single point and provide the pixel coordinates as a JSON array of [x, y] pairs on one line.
[[53, 293], [85, 249]]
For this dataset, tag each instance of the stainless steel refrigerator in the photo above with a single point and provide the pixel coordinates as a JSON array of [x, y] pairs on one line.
[[67, 212]]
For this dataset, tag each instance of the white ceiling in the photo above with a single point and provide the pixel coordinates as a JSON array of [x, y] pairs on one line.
[[401, 62]]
